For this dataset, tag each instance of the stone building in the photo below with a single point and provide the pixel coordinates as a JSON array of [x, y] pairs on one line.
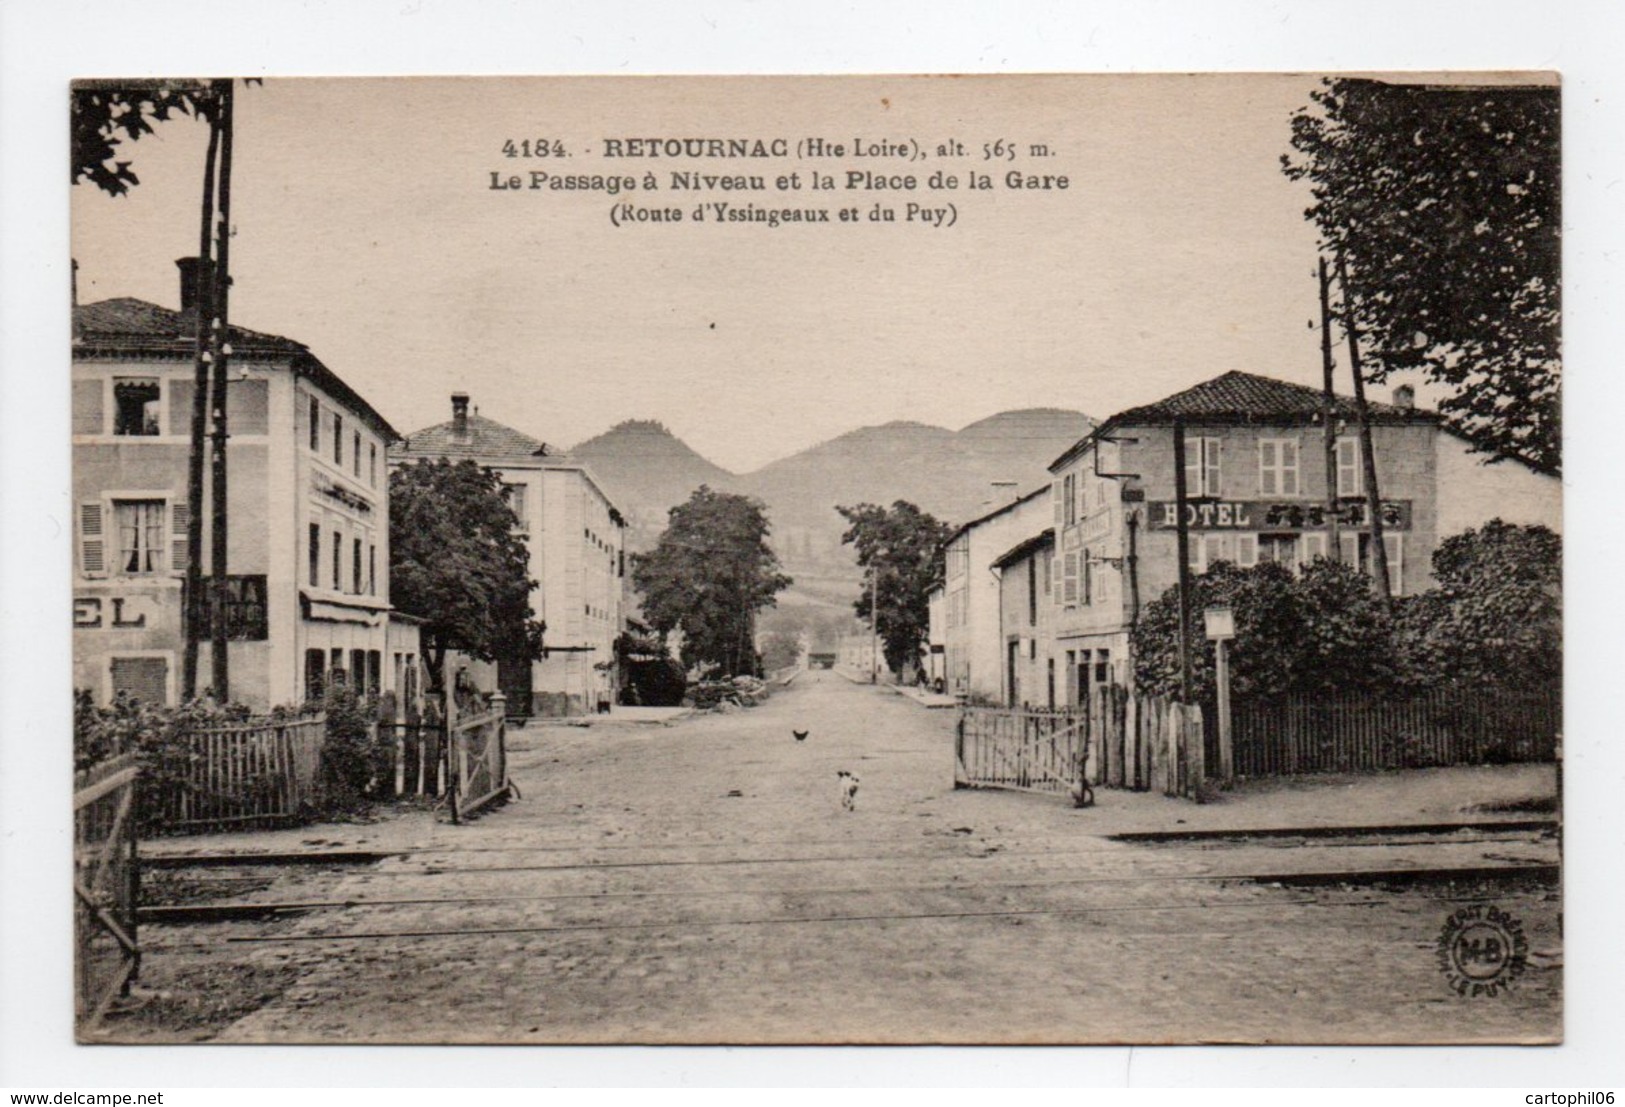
[[1257, 482], [974, 654], [308, 511]]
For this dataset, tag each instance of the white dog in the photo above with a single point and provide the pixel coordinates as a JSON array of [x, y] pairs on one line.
[[849, 790]]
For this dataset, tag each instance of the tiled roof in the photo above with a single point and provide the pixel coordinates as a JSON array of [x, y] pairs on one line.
[[1247, 397], [126, 326], [1242, 398], [136, 322], [487, 440]]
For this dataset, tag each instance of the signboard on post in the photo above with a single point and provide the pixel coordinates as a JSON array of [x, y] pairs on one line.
[[1220, 623]]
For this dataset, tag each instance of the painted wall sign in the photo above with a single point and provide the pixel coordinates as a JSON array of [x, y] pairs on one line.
[[1271, 515], [109, 612]]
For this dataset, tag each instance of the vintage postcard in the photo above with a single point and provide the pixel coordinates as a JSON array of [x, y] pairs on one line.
[[897, 559]]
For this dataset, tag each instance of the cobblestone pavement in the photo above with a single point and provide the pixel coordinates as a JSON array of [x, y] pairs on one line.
[[700, 882]]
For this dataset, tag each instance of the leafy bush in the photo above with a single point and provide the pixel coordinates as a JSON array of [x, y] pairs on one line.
[[349, 754]]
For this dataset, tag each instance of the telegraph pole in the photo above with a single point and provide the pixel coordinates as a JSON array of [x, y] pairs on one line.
[[202, 283], [874, 625], [1379, 551], [1184, 543], [1328, 415], [222, 355]]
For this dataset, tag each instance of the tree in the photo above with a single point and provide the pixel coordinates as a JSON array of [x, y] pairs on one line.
[[1322, 632], [900, 549], [708, 576], [1497, 614], [1442, 202], [457, 560], [106, 114]]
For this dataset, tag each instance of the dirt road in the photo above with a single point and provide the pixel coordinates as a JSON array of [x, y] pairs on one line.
[[701, 882]]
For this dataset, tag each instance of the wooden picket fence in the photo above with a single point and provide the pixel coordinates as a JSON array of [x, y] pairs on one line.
[[1443, 726], [477, 756], [259, 771], [1116, 740]]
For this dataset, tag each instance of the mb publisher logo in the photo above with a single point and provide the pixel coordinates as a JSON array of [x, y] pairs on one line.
[[1482, 950]]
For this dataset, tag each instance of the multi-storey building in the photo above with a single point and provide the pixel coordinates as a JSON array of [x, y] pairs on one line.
[[1025, 621], [974, 655], [577, 543], [307, 511], [1256, 481]]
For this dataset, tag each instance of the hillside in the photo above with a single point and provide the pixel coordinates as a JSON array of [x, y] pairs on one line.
[[647, 470]]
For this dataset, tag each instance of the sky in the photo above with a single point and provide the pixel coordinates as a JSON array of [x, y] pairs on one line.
[[366, 229]]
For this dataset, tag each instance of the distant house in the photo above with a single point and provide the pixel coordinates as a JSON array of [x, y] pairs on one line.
[[308, 509], [1257, 480], [576, 538], [973, 652], [1025, 621]]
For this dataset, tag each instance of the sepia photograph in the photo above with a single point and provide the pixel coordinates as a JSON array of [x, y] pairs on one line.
[[972, 560]]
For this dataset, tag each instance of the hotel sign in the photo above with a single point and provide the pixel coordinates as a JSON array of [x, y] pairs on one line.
[[1271, 515]]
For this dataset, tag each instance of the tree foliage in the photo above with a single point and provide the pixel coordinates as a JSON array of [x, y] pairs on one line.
[[708, 576], [900, 550], [1324, 631], [1495, 617], [1443, 201], [106, 115], [457, 560], [1497, 613]]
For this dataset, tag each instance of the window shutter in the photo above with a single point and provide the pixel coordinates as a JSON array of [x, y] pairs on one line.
[[1394, 546], [92, 540], [1348, 467], [1266, 468], [1210, 454], [1193, 466], [1289, 468], [1246, 550], [1313, 546], [1069, 580], [1060, 505], [179, 516], [1349, 548]]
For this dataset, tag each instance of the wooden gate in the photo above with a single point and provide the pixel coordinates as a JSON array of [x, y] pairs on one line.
[[1142, 743], [105, 885], [476, 757], [1028, 749]]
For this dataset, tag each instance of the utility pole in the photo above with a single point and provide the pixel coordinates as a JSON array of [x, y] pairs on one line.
[[1379, 551], [1184, 543], [202, 303], [222, 354], [1328, 415]]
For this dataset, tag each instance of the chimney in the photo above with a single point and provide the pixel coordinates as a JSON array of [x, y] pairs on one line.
[[1405, 397], [189, 268], [459, 416]]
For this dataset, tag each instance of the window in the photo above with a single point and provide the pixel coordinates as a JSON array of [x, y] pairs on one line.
[[372, 464], [338, 561], [1350, 481], [141, 678], [1279, 548], [1357, 552], [1278, 467], [315, 424], [1202, 467], [355, 569], [140, 527], [1069, 491], [1087, 563], [315, 672], [1312, 546], [514, 496], [135, 407], [1206, 550], [1032, 591], [315, 554], [1103, 666], [338, 439], [355, 454], [372, 569]]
